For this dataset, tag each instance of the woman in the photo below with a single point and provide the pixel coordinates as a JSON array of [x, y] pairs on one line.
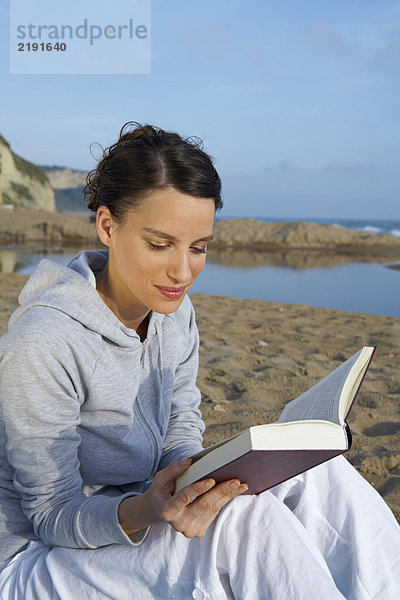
[[99, 398]]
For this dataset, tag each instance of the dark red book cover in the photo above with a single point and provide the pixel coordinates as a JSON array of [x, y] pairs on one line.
[[263, 469]]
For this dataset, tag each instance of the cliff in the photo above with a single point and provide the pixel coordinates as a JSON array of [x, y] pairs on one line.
[[23, 184], [68, 185], [64, 178]]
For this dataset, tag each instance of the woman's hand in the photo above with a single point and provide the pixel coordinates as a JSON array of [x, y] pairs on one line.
[[190, 511]]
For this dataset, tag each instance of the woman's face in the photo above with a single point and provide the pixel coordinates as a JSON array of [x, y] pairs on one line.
[[156, 252]]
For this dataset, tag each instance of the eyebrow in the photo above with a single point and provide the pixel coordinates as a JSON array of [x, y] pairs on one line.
[[171, 238]]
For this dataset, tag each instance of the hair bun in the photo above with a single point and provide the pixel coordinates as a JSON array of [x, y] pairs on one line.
[[134, 131]]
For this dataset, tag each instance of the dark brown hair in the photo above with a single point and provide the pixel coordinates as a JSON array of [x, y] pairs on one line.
[[146, 158]]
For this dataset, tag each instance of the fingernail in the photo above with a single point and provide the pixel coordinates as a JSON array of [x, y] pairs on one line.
[[186, 461], [209, 483], [233, 485], [243, 488]]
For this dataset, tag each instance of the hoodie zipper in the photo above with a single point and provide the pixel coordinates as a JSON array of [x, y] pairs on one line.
[[143, 353], [153, 439], [147, 426]]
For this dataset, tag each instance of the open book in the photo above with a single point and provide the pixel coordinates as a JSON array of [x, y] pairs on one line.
[[311, 429]]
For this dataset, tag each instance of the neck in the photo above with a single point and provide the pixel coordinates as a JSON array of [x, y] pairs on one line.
[[136, 319]]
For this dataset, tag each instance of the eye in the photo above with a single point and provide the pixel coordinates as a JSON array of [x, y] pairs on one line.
[[156, 246], [198, 250]]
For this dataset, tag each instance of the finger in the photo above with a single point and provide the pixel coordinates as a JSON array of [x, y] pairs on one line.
[[206, 487], [198, 516], [173, 471], [233, 492], [222, 493], [189, 493], [175, 507]]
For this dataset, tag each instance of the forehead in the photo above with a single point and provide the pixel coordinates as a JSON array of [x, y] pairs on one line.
[[173, 212]]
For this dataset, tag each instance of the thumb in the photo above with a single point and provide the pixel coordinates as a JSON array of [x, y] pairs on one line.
[[174, 470]]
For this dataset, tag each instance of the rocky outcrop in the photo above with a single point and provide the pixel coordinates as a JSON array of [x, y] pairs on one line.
[[236, 233], [23, 184], [21, 226], [235, 240]]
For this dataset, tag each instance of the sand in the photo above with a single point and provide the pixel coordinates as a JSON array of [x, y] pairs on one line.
[[257, 355]]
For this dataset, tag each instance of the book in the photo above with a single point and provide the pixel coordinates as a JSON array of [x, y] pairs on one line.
[[311, 430]]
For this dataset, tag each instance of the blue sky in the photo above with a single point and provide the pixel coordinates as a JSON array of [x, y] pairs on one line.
[[298, 101]]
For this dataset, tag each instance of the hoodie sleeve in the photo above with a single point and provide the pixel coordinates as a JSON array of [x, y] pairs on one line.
[[184, 435], [41, 411]]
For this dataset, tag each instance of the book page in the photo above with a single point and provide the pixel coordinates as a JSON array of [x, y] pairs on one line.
[[322, 400]]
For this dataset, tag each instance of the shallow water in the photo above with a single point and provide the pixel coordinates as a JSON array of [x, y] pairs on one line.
[[332, 281], [358, 287]]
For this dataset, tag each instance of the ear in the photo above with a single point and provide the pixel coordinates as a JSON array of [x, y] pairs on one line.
[[104, 224]]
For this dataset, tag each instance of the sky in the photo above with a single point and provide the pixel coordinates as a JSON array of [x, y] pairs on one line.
[[297, 101]]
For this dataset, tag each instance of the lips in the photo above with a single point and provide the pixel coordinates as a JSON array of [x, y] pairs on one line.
[[171, 292]]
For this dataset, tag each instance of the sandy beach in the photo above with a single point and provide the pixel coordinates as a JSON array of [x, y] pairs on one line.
[[257, 355]]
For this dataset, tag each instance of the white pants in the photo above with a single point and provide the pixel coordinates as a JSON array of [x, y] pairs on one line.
[[323, 535]]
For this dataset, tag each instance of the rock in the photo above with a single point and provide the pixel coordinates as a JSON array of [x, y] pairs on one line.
[[236, 233], [22, 226], [23, 184], [218, 408]]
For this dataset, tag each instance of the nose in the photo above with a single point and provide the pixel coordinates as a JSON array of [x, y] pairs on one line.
[[179, 268]]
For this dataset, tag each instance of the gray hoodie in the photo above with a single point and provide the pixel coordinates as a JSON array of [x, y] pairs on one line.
[[88, 412]]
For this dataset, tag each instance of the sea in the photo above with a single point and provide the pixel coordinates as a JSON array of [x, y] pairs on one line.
[[333, 281]]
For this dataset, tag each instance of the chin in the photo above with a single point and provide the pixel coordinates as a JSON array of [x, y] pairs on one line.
[[166, 306]]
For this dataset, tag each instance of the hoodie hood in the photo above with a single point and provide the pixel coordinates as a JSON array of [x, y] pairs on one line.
[[72, 290]]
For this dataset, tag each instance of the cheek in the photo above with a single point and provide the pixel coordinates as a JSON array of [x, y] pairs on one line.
[[197, 266], [147, 265]]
